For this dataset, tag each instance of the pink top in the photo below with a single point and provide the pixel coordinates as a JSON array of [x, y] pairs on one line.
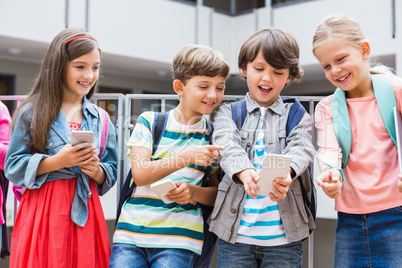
[[5, 120], [371, 174]]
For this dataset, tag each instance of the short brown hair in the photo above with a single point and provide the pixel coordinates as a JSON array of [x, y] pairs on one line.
[[279, 48], [198, 60]]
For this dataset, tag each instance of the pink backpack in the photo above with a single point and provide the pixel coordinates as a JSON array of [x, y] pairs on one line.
[[19, 190]]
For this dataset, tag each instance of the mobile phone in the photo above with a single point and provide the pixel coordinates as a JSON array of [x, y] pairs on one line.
[[82, 136], [274, 166], [162, 187]]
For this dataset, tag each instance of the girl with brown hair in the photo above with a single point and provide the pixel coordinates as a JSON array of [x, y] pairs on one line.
[[60, 221]]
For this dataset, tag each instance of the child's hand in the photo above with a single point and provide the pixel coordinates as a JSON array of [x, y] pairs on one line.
[[330, 182], [400, 182], [281, 187], [70, 156], [202, 156], [250, 177], [183, 194]]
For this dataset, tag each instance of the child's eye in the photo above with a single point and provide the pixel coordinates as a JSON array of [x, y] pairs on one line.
[[96, 68], [326, 67], [79, 67], [203, 87], [278, 73], [220, 88], [258, 69], [341, 59]]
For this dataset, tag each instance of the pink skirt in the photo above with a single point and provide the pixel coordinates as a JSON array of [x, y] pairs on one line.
[[45, 236]]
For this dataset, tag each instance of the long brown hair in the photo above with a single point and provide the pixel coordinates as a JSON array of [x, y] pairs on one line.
[[47, 93]]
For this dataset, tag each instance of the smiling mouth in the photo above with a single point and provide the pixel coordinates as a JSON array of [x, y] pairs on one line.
[[209, 103], [340, 80], [84, 84], [264, 89]]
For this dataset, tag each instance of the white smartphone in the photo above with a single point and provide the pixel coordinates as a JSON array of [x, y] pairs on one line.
[[81, 136], [162, 187], [274, 166]]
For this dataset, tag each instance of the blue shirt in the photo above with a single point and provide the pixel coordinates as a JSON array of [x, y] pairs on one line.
[[21, 163]]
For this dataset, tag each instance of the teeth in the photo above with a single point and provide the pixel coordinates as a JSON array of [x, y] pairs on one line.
[[343, 79], [265, 87], [84, 84]]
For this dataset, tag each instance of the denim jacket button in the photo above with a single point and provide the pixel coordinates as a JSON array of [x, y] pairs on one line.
[[51, 144], [256, 115], [233, 211], [249, 144], [56, 123]]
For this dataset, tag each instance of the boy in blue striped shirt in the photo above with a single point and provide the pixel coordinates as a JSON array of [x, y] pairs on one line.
[[257, 230]]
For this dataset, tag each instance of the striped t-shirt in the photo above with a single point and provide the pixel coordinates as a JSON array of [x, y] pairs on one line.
[[145, 219], [260, 222]]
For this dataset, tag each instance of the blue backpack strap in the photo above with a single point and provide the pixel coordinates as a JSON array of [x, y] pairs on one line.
[[341, 123], [239, 112], [296, 113], [385, 97]]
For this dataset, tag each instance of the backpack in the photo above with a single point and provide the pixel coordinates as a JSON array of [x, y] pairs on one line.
[[386, 101], [296, 113], [19, 190], [209, 241]]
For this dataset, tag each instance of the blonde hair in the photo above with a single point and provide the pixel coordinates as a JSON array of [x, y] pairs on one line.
[[279, 48], [348, 30], [198, 60]]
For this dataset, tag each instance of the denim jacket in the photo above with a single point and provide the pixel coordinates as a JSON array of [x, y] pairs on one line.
[[239, 150], [22, 163]]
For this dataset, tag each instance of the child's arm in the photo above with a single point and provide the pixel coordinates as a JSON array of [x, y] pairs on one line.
[[145, 171], [189, 192], [400, 182], [68, 156], [234, 158]]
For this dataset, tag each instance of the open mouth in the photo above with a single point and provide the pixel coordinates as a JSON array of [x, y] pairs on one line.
[[343, 79], [84, 84], [209, 104], [264, 89]]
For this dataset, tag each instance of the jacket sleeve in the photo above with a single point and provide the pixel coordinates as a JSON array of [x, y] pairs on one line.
[[234, 158], [20, 163], [299, 145], [109, 160]]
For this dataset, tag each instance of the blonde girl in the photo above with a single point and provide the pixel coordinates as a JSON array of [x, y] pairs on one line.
[[357, 152]]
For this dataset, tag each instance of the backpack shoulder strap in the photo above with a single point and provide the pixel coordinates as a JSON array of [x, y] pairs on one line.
[[386, 101], [160, 121], [385, 96], [239, 112], [296, 113], [105, 125], [208, 170]]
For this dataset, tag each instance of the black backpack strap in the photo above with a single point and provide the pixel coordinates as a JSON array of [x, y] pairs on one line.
[[158, 127]]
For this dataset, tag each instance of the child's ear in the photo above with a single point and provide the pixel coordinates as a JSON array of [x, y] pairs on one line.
[[365, 50], [178, 87], [244, 72]]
